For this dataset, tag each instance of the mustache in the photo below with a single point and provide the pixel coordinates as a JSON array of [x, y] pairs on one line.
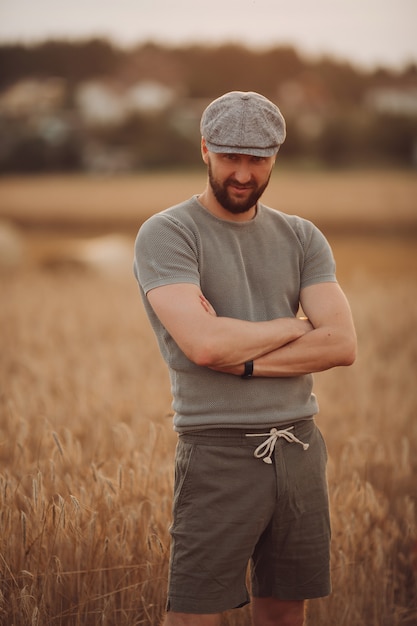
[[238, 185]]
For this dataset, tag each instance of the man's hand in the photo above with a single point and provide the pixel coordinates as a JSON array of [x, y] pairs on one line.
[[207, 306]]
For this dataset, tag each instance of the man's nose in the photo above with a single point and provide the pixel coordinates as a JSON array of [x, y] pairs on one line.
[[243, 172]]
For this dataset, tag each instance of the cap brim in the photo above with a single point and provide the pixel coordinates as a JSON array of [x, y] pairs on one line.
[[259, 152]]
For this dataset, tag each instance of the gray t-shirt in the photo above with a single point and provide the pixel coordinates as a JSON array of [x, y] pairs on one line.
[[252, 270]]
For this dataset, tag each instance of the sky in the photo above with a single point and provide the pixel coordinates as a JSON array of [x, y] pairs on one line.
[[367, 33]]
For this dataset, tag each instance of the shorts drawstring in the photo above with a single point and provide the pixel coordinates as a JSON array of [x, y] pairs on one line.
[[266, 448]]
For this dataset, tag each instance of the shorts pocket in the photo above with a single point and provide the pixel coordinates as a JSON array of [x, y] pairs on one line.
[[323, 443], [183, 460]]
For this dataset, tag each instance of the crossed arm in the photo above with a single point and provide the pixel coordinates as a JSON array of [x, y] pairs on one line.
[[280, 347]]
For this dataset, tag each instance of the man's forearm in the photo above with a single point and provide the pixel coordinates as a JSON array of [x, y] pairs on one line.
[[330, 339], [231, 342], [215, 341], [318, 350]]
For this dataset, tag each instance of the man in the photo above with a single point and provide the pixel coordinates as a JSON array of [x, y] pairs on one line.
[[222, 278]]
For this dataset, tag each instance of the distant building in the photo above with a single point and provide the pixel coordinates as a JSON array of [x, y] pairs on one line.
[[99, 103], [33, 97], [394, 100], [149, 97], [105, 103]]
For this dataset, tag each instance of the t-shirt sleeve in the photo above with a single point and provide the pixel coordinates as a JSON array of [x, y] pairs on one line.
[[165, 253], [319, 265]]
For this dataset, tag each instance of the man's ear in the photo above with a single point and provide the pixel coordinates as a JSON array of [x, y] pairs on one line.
[[204, 150]]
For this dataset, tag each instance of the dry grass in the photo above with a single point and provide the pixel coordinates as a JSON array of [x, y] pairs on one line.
[[367, 418], [84, 460], [86, 449]]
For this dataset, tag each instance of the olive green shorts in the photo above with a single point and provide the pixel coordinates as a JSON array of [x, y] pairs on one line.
[[231, 508]]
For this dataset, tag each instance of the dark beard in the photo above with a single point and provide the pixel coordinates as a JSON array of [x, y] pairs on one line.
[[222, 196]]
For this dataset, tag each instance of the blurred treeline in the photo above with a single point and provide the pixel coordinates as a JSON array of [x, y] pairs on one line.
[[92, 106]]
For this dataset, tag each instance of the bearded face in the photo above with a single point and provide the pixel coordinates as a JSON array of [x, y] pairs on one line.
[[236, 196]]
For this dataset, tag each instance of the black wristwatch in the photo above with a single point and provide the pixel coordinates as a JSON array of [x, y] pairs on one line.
[[248, 373]]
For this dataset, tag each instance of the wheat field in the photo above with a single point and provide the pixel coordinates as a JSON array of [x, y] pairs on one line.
[[86, 442]]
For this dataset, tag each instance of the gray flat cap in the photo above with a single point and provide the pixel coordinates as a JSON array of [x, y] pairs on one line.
[[243, 123]]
